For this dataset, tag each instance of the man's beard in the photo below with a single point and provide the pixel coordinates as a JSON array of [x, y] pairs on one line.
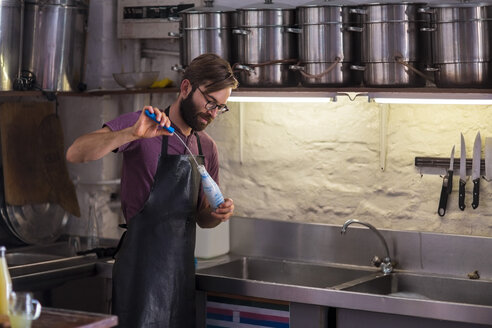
[[191, 113]]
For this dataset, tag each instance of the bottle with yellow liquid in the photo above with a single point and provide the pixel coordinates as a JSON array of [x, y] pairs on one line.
[[5, 283]]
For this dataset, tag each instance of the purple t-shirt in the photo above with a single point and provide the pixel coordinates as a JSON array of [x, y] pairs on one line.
[[140, 159]]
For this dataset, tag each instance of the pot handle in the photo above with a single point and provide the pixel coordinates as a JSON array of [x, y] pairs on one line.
[[426, 10], [174, 19], [241, 32], [296, 67], [353, 29], [175, 35], [293, 30], [431, 69], [241, 67], [358, 11], [400, 60], [428, 29], [178, 68], [357, 67], [320, 75]]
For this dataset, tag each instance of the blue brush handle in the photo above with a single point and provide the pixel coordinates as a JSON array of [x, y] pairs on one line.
[[152, 116]]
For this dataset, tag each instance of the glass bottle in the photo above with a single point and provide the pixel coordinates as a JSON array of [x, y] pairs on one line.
[[93, 224], [5, 283]]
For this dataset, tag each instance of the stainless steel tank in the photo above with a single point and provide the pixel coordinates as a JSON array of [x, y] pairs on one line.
[[54, 42], [329, 43], [10, 41], [392, 36], [266, 44], [205, 30], [461, 44]]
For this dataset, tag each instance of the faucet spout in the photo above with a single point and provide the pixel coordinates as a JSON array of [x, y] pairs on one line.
[[386, 265]]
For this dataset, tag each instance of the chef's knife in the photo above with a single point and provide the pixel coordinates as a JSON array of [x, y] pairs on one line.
[[461, 200], [447, 186], [477, 155]]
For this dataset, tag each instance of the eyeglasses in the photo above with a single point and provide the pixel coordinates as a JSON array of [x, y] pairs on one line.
[[211, 104]]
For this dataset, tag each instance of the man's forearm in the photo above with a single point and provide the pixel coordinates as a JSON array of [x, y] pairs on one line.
[[95, 145]]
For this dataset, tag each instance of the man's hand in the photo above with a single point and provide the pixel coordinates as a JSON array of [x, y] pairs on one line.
[[224, 211], [145, 127], [210, 219]]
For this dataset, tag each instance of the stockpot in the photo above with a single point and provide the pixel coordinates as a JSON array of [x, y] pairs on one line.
[[461, 44], [329, 42], [266, 44], [54, 42], [328, 30], [391, 42], [265, 33], [10, 41], [205, 30]]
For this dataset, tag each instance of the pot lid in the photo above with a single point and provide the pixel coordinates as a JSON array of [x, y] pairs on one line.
[[70, 3], [328, 3], [392, 2], [458, 4], [268, 5], [208, 8]]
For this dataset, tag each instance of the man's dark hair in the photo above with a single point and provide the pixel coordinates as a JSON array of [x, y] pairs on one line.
[[212, 71]]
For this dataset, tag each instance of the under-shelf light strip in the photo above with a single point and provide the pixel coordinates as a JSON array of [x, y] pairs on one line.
[[280, 99], [436, 101]]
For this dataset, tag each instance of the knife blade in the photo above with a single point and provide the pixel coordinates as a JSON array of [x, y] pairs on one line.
[[477, 155], [461, 199], [447, 186]]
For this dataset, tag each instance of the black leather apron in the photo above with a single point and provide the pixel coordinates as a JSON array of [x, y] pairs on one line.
[[154, 273]]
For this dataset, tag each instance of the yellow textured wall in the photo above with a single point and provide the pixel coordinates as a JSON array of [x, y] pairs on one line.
[[321, 163]]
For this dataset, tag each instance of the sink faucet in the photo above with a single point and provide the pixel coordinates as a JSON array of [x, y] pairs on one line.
[[385, 265]]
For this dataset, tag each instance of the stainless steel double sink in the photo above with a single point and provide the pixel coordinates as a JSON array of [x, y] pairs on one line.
[[45, 266], [355, 279]]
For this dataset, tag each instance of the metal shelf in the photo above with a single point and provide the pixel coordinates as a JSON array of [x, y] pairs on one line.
[[426, 92]]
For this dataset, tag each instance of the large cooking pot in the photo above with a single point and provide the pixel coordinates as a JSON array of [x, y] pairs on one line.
[[54, 42], [329, 42], [265, 33], [266, 42], [10, 41], [328, 30], [461, 44], [205, 30], [392, 35]]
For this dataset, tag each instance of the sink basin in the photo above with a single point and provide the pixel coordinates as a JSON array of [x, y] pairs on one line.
[[436, 288], [286, 272], [17, 258]]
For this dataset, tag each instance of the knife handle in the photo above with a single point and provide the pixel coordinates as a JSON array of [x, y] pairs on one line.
[[443, 201], [461, 200], [476, 192]]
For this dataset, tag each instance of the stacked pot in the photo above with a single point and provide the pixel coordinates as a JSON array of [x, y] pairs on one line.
[[10, 41], [393, 46], [266, 44], [461, 44], [205, 30], [54, 42], [329, 43]]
